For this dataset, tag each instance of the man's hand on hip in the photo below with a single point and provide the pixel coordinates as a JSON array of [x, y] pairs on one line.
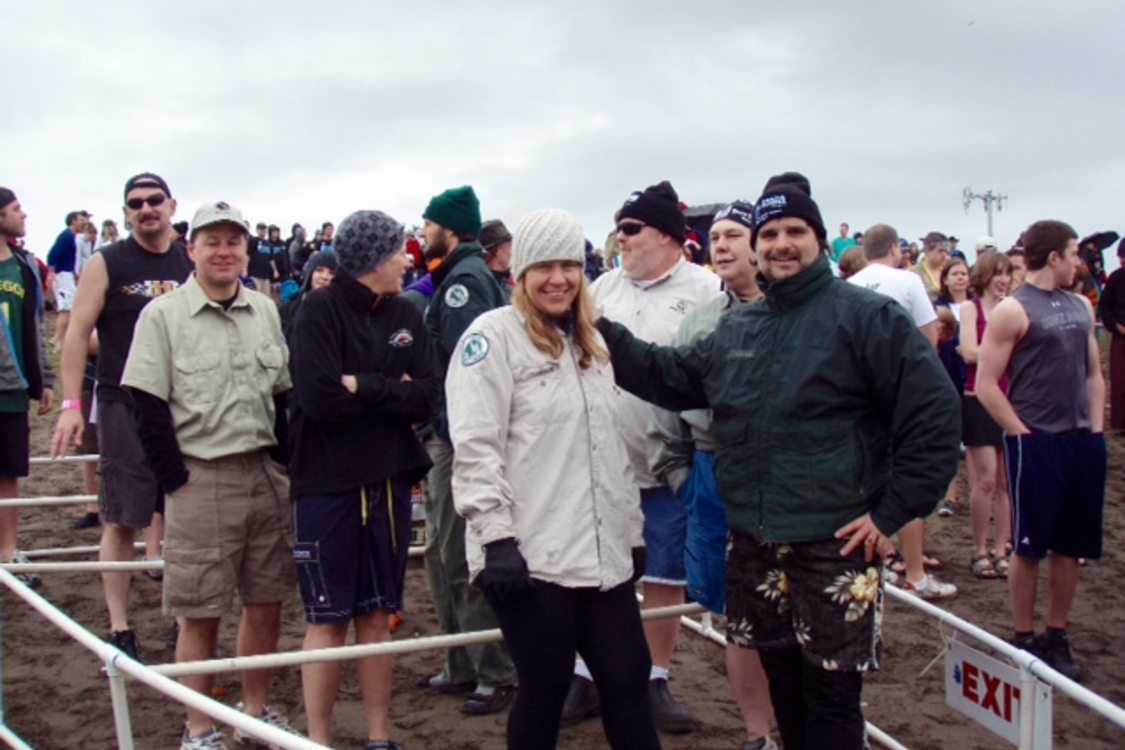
[[862, 532]]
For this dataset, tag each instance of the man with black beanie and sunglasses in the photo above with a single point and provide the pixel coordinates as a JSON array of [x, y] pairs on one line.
[[835, 425], [116, 284], [652, 292]]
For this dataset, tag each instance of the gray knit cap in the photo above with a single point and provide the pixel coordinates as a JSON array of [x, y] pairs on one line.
[[366, 240], [547, 235]]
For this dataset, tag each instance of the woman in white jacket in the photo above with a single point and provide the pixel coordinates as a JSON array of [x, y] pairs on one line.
[[554, 520]]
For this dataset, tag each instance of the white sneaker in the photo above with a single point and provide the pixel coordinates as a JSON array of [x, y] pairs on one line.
[[269, 716], [934, 589], [209, 740]]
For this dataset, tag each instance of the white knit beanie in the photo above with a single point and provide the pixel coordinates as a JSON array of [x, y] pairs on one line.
[[546, 235]]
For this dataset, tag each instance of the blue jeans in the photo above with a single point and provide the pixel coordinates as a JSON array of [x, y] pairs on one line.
[[705, 551]]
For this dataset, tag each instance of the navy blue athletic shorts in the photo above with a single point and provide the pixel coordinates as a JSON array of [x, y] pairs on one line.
[[351, 551], [1057, 484]]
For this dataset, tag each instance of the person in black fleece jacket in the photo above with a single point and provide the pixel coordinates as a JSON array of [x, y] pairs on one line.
[[364, 372]]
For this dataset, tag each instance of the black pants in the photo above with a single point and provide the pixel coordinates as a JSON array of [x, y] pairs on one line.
[[544, 628], [814, 708]]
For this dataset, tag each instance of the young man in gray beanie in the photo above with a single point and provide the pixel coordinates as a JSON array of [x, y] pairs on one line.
[[364, 373], [464, 287], [835, 425], [653, 290]]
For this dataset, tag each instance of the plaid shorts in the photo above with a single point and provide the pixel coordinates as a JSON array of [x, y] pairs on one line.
[[804, 594]]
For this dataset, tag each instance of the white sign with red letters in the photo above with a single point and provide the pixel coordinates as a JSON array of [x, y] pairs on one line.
[[984, 689]]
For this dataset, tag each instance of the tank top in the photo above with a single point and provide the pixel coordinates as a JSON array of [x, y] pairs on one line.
[[135, 276], [971, 368], [1048, 366]]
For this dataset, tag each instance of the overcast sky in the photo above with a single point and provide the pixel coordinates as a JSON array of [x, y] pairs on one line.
[[306, 112]]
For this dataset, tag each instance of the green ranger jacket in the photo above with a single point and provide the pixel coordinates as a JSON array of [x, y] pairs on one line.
[[828, 404]]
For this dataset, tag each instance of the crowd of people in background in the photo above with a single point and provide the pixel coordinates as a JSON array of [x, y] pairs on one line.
[[722, 406]]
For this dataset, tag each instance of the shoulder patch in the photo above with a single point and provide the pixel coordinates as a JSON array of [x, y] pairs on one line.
[[401, 338], [475, 349], [456, 296]]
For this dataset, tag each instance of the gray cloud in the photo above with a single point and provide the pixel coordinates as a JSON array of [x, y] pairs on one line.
[[304, 113]]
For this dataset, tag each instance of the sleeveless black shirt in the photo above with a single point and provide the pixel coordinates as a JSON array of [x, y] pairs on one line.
[[135, 277]]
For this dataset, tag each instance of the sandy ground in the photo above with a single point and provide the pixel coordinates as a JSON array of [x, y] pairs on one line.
[[55, 697]]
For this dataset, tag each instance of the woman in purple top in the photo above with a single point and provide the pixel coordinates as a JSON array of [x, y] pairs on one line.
[[983, 439]]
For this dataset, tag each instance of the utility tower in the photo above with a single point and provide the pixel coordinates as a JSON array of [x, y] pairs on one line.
[[989, 199]]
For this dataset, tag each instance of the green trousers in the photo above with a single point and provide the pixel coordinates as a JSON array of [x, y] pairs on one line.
[[460, 607]]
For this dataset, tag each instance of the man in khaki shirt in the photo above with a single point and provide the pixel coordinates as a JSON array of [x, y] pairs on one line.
[[208, 372]]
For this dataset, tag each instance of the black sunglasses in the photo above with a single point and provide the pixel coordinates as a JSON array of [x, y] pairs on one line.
[[631, 229], [153, 201]]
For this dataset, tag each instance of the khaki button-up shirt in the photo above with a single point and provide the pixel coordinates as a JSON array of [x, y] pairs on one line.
[[217, 369]]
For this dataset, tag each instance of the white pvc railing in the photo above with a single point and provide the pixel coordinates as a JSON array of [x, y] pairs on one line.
[[118, 664], [1029, 663], [158, 676]]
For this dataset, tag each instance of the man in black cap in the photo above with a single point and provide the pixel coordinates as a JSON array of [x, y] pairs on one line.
[[835, 424], [653, 291], [116, 284]]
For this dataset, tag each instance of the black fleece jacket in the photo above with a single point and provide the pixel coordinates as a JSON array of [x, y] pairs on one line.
[[340, 440]]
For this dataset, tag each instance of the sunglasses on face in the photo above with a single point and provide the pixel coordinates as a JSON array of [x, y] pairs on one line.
[[630, 229], [153, 201]]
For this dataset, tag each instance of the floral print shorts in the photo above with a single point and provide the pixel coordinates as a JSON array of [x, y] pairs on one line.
[[804, 593]]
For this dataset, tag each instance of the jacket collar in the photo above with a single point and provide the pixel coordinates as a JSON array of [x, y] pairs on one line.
[[460, 253], [797, 290], [354, 293]]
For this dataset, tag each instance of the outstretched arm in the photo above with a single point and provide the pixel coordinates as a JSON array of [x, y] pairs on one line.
[[670, 377]]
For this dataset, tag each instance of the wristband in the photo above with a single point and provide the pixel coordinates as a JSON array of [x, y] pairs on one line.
[[71, 403]]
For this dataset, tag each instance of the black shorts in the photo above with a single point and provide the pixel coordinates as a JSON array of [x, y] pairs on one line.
[[14, 447], [1057, 484], [89, 444], [128, 494], [804, 594], [351, 551], [978, 428]]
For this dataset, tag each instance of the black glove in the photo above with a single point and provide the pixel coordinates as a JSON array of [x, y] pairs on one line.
[[638, 564], [505, 574]]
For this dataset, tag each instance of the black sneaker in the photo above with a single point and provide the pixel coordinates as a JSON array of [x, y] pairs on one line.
[[669, 715], [484, 703], [1056, 652], [581, 702], [1030, 643], [88, 521], [126, 641]]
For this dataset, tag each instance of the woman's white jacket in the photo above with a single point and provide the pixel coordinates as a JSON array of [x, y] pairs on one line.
[[537, 457]]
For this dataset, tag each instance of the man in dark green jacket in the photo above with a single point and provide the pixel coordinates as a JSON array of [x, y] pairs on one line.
[[464, 288], [835, 426]]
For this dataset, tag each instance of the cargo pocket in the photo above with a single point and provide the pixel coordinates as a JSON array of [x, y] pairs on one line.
[[195, 581], [314, 586]]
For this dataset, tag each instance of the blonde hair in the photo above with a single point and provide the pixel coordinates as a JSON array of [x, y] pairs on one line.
[[546, 336]]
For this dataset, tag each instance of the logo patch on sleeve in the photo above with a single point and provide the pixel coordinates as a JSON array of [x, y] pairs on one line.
[[456, 296], [401, 338], [475, 349]]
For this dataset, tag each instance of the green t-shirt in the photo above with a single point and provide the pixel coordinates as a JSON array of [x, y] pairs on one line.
[[839, 245], [12, 292]]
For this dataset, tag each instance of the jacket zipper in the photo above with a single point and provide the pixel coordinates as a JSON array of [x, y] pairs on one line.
[[590, 456]]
